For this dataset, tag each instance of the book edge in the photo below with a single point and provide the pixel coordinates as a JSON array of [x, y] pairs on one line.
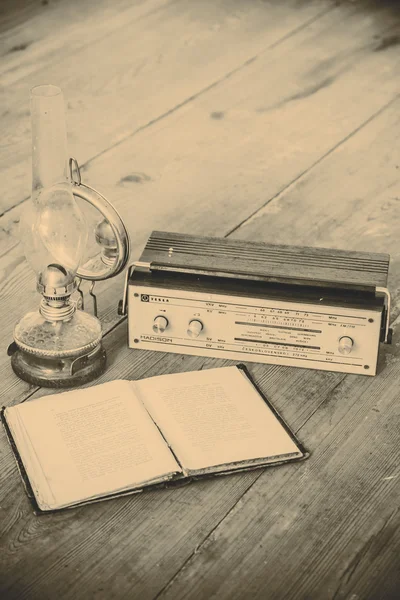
[[243, 368], [20, 466]]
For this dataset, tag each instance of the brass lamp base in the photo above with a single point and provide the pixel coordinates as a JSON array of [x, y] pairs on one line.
[[59, 372], [57, 346]]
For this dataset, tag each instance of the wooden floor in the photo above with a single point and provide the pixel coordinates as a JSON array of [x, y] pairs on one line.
[[270, 121]]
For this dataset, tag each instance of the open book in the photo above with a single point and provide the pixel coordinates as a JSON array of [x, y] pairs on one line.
[[120, 437]]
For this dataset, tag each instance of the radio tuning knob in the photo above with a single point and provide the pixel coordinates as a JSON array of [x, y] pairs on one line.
[[346, 345], [160, 324], [195, 328]]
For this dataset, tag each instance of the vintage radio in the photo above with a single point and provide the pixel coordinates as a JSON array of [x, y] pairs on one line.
[[297, 306]]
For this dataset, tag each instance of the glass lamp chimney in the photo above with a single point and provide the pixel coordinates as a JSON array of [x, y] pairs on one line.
[[52, 228]]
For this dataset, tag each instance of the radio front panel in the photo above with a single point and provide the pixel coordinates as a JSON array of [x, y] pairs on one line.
[[332, 338]]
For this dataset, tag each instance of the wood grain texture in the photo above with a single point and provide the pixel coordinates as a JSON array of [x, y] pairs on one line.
[[293, 139], [122, 72], [196, 172]]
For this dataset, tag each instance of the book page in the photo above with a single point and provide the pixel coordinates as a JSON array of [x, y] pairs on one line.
[[214, 417], [88, 443]]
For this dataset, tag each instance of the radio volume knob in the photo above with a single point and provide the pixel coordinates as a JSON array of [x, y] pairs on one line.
[[160, 324], [195, 328], [346, 345]]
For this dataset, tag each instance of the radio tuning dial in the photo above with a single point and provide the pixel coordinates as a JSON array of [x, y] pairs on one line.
[[195, 328], [346, 344], [160, 324]]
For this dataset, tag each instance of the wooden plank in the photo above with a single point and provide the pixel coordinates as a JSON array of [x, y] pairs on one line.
[[151, 186], [121, 73], [45, 31]]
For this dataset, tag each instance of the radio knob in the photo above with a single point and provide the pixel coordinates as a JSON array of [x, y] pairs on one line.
[[346, 345], [160, 324], [195, 328]]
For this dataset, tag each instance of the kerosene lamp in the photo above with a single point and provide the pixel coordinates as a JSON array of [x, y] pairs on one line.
[[60, 345]]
